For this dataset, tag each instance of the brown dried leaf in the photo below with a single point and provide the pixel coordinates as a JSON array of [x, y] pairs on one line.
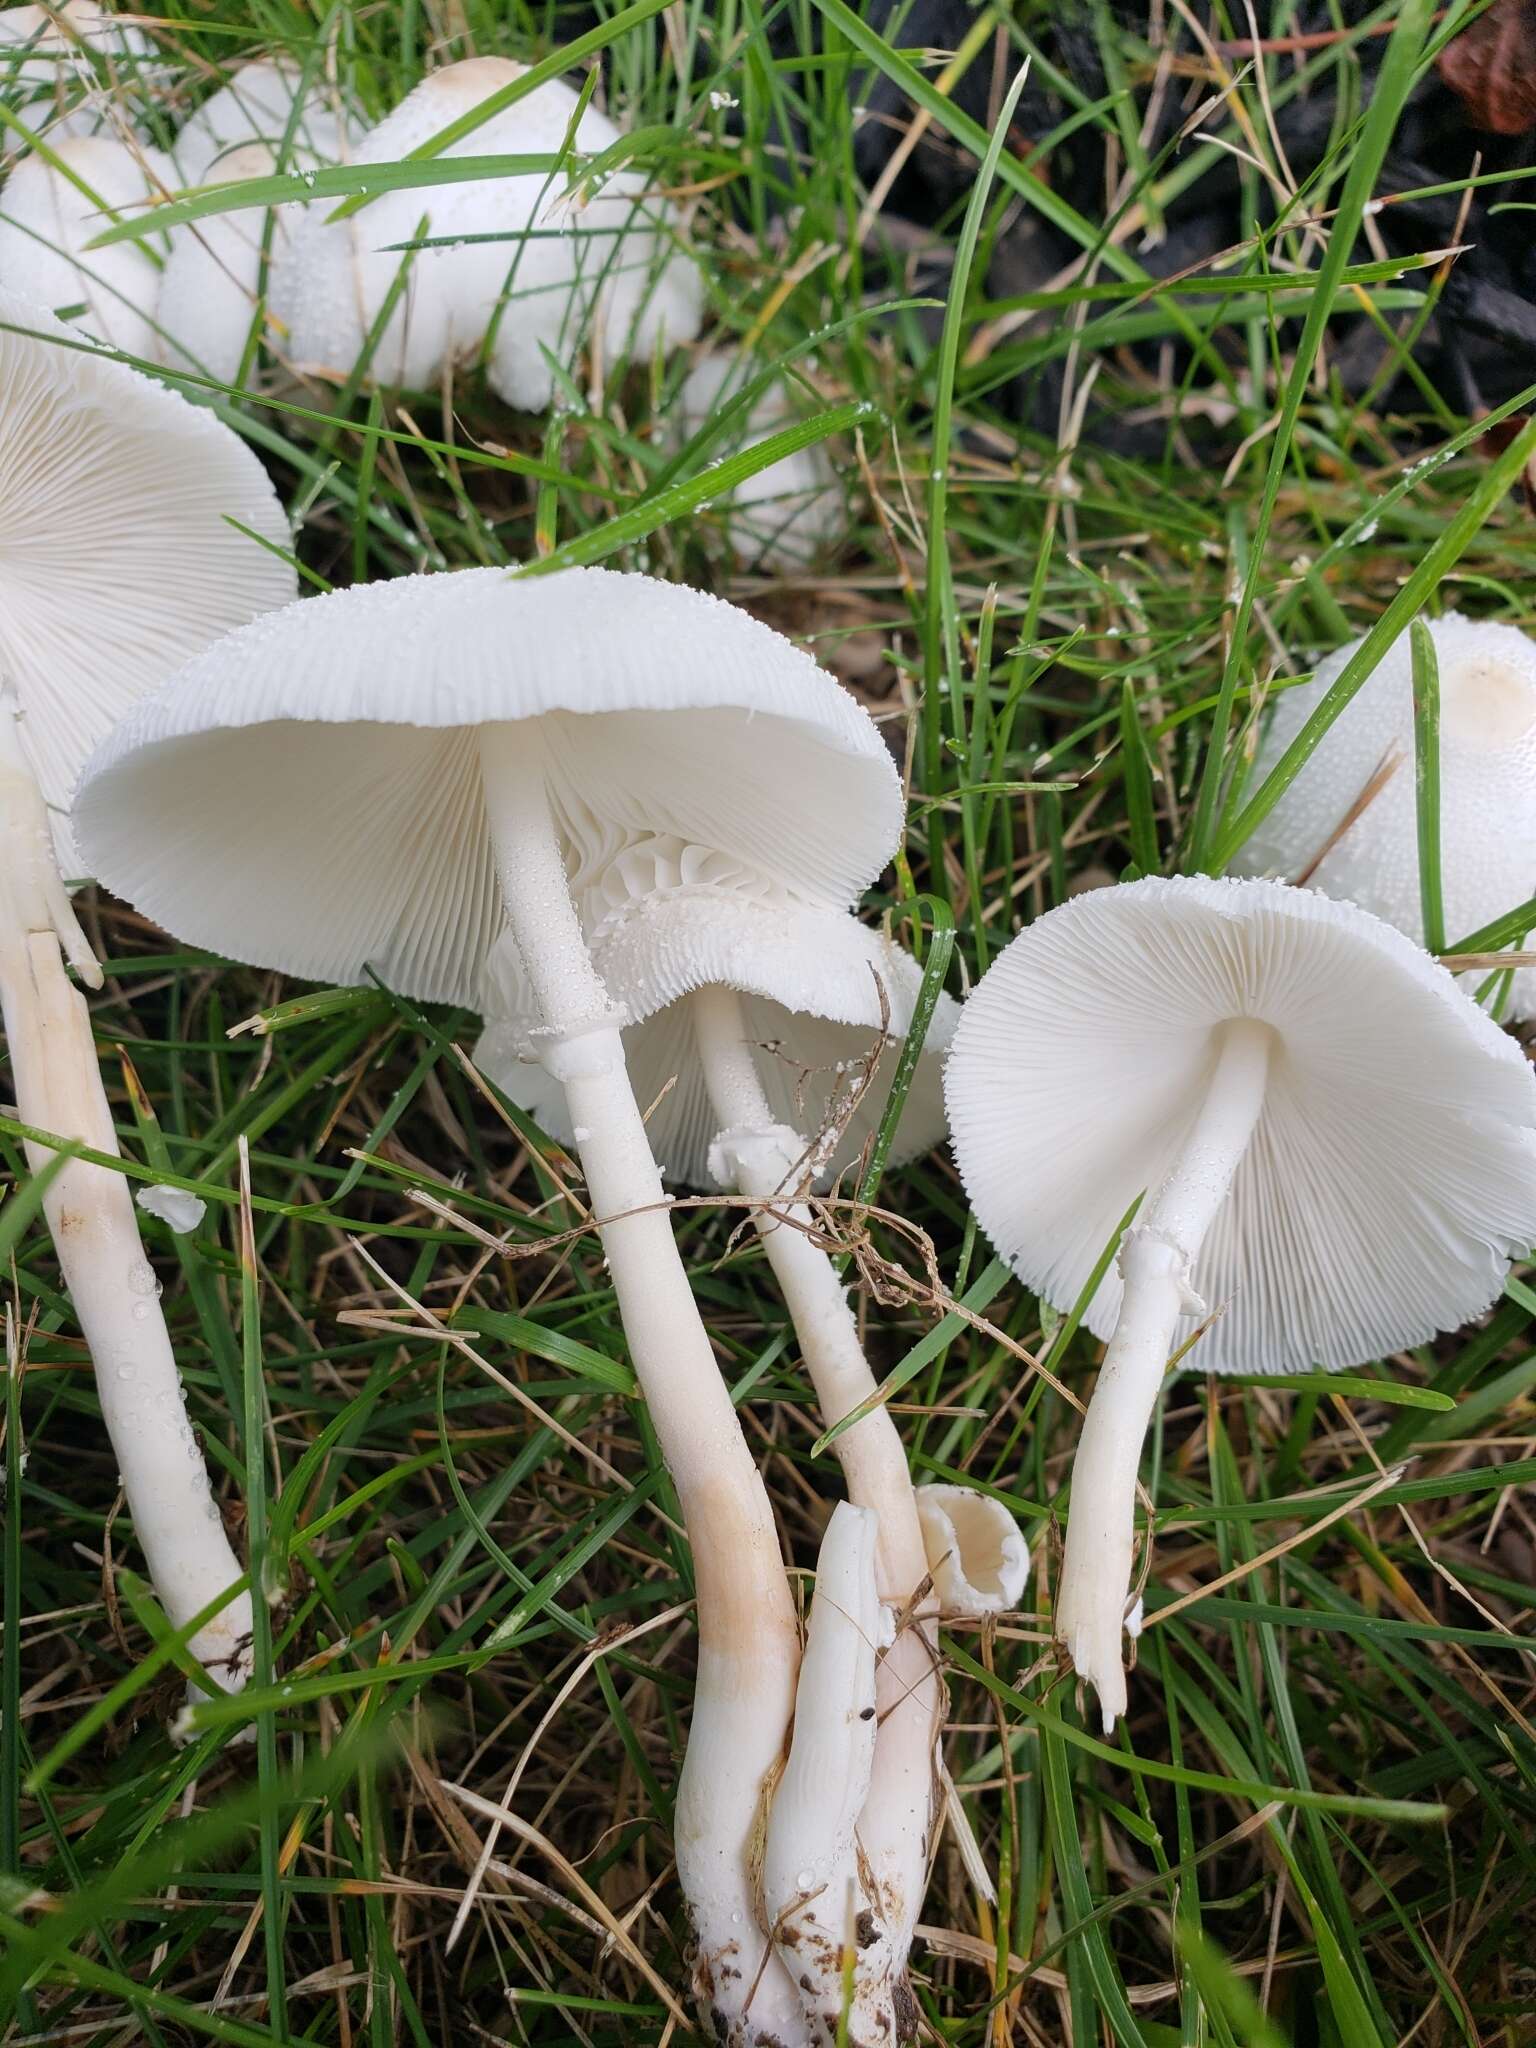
[[1491, 68]]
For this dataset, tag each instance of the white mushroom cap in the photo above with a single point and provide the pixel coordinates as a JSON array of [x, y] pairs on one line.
[[783, 516], [334, 284], [50, 67], [663, 919], [1487, 786], [46, 222], [256, 106], [1391, 1175], [39, 46], [307, 795], [118, 558], [212, 279], [976, 1551]]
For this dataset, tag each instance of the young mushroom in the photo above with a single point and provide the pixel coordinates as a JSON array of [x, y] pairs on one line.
[[53, 58], [119, 554], [212, 291], [48, 215], [390, 778], [758, 1033], [507, 271], [263, 102], [1333, 1147], [781, 518], [1348, 824]]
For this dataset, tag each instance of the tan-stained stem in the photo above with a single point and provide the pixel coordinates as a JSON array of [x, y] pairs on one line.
[[754, 1154], [748, 1641]]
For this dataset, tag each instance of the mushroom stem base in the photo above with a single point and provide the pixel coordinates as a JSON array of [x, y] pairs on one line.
[[95, 1231], [1156, 1260], [748, 1642], [757, 1156]]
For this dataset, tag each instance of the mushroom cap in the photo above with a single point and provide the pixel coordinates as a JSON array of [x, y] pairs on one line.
[[1487, 786], [46, 221], [118, 558], [1391, 1175], [60, 40], [976, 1551], [782, 517], [811, 979], [50, 61], [211, 284], [332, 286], [256, 105], [307, 794]]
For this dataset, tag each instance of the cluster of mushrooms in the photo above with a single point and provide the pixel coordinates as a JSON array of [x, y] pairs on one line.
[[630, 826], [509, 276]]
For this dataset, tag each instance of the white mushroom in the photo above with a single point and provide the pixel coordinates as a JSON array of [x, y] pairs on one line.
[[263, 102], [786, 514], [757, 1034], [1318, 833], [391, 777], [117, 558], [533, 273], [48, 216], [1335, 1146], [976, 1551], [211, 292], [52, 58]]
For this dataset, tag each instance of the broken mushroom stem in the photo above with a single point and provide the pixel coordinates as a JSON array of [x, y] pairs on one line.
[[95, 1232], [1156, 1260], [755, 1155], [748, 1645]]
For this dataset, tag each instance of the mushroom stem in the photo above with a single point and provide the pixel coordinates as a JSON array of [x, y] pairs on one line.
[[812, 1884], [756, 1155], [1156, 1259], [748, 1642], [95, 1232]]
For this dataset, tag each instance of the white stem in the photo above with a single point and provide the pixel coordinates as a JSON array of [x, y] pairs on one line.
[[754, 1155], [95, 1232], [813, 1887], [748, 1642], [1156, 1259]]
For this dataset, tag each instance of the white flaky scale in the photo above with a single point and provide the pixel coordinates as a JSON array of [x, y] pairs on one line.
[[528, 280], [755, 1016], [1333, 1146], [392, 777], [1320, 834], [178, 1208], [101, 593]]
